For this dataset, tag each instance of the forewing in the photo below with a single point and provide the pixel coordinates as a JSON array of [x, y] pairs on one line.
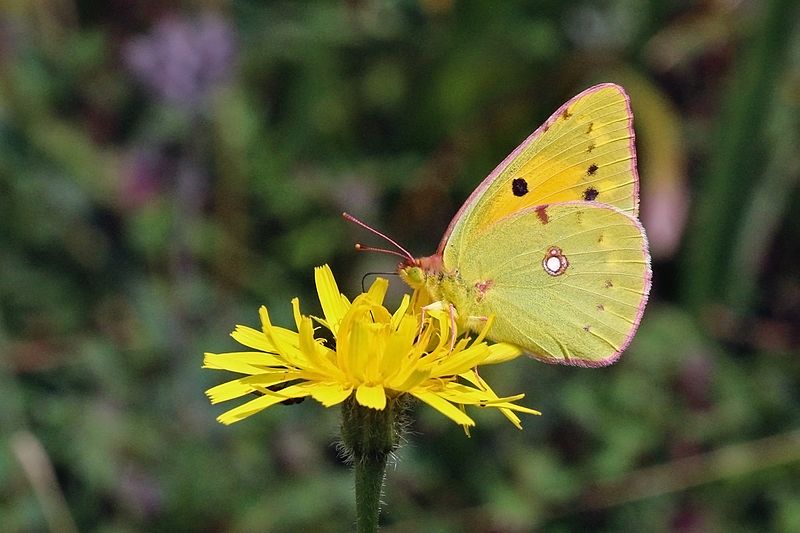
[[582, 314], [585, 151]]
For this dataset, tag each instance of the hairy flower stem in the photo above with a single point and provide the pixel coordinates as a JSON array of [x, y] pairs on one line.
[[369, 436]]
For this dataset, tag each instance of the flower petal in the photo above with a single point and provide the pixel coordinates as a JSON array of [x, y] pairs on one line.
[[239, 387], [372, 396], [501, 352], [443, 406], [462, 361], [286, 342], [460, 393], [259, 404], [401, 312], [377, 291], [296, 312], [241, 362], [228, 391], [398, 347], [252, 338], [315, 353], [334, 304], [485, 330], [414, 378], [355, 345], [329, 394]]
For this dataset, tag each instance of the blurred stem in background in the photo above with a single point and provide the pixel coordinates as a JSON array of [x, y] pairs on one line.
[[32, 456], [27, 449], [733, 170], [769, 205]]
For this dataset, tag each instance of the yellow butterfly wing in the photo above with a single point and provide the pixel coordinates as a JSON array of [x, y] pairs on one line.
[[584, 151], [567, 282]]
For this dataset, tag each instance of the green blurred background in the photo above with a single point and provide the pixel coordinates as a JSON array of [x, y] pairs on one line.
[[167, 167]]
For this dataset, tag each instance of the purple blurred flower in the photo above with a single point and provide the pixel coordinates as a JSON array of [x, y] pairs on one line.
[[144, 173], [182, 59]]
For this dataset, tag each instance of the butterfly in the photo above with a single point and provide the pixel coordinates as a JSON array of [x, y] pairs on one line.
[[550, 243]]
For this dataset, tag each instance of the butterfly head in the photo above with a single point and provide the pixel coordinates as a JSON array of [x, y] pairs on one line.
[[414, 276], [416, 271]]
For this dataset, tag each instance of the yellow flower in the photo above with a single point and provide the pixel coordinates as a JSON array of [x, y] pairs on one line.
[[378, 356]]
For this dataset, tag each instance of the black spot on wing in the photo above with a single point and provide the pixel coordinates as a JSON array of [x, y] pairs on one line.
[[519, 187], [592, 169], [590, 194]]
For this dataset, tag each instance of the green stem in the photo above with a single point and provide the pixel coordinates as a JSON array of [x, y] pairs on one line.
[[369, 436], [370, 473]]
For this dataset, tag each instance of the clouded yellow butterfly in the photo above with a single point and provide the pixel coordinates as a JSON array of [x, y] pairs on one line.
[[549, 243]]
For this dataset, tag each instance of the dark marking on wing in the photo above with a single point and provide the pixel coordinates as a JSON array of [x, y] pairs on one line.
[[600, 307], [566, 114], [608, 284], [590, 194], [592, 169], [519, 187], [590, 148], [590, 128], [541, 214]]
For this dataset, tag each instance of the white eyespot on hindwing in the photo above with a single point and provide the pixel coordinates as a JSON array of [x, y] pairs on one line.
[[555, 262]]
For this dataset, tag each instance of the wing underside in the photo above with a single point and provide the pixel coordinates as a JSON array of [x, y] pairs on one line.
[[584, 151], [568, 281]]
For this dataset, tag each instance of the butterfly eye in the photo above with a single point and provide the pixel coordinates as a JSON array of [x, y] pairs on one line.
[[555, 262]]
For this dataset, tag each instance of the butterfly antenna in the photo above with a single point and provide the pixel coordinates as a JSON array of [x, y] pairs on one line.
[[364, 278], [361, 248], [405, 253]]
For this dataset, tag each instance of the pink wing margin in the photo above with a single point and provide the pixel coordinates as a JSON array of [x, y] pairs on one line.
[[478, 192]]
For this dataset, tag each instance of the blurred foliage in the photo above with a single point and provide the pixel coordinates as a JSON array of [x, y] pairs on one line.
[[167, 167]]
